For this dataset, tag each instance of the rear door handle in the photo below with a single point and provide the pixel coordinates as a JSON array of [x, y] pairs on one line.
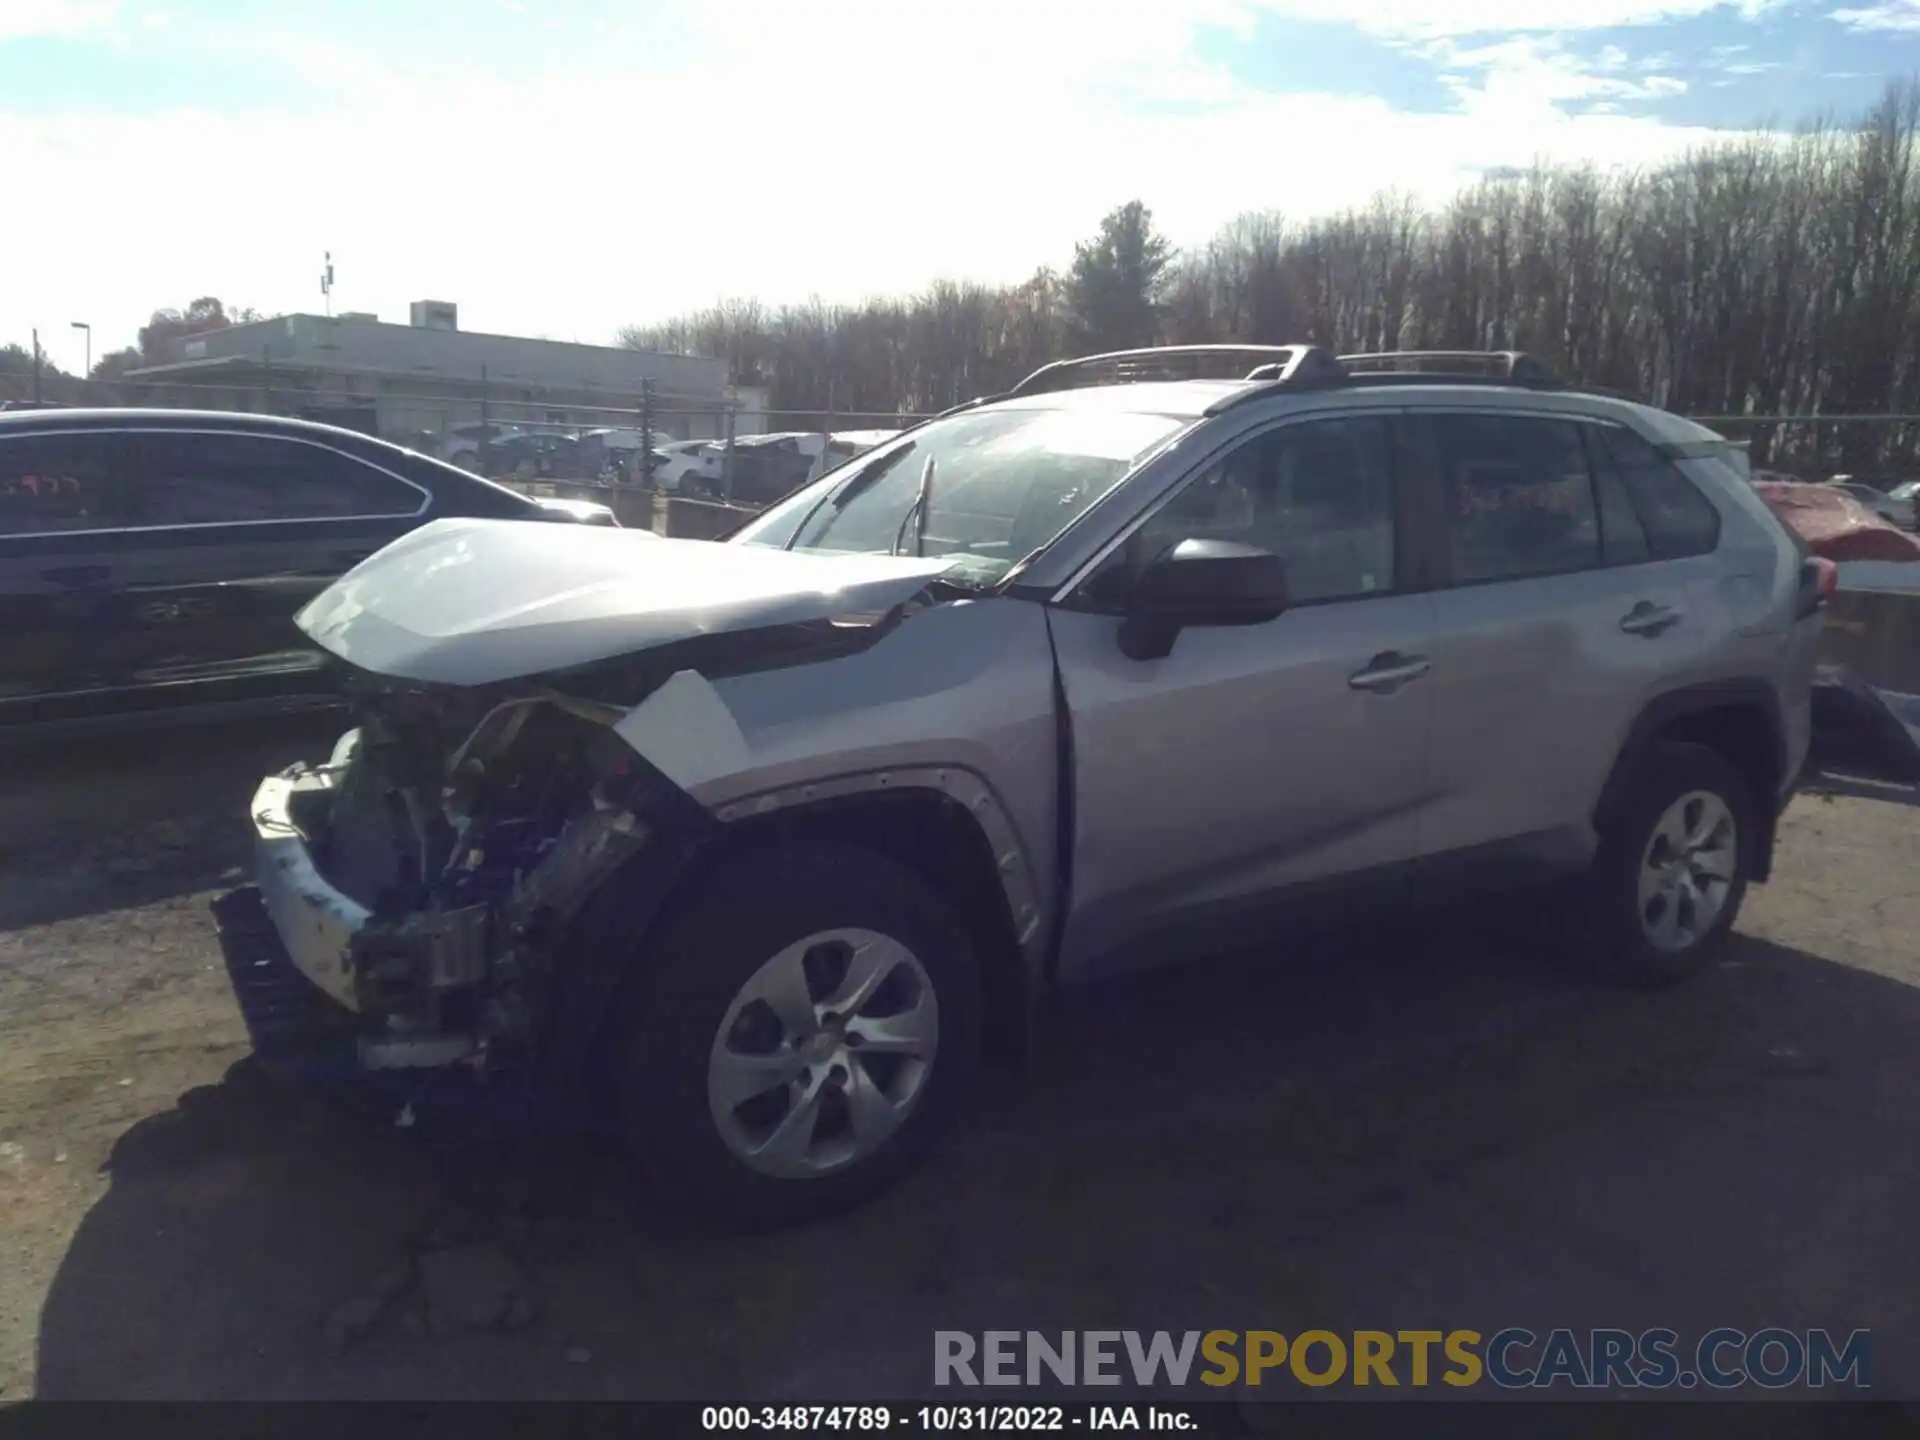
[[1649, 619], [77, 574], [1388, 671]]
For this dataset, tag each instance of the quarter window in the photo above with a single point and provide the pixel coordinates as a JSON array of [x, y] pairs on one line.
[[1679, 520], [1623, 539], [1318, 494], [187, 479], [1520, 500], [54, 484]]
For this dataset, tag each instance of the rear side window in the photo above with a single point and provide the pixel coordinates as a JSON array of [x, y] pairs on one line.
[[57, 484], [1519, 498], [1678, 520], [187, 479]]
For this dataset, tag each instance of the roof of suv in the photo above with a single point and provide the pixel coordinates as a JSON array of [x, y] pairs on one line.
[[1188, 399], [1138, 380]]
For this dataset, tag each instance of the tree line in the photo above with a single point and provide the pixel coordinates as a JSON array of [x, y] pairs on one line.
[[161, 341], [1768, 276]]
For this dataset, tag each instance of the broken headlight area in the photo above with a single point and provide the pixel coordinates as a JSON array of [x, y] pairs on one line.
[[463, 833]]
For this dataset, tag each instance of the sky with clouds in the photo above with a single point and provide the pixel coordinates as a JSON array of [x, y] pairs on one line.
[[563, 167]]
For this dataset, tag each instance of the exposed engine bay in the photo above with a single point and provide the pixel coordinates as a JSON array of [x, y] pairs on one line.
[[470, 827]]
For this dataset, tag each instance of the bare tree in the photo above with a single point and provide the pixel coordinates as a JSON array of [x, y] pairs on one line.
[[1777, 275]]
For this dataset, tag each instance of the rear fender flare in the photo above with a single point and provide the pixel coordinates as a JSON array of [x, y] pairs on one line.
[[1758, 696]]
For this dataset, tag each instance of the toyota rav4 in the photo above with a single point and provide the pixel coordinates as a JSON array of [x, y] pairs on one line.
[[761, 844]]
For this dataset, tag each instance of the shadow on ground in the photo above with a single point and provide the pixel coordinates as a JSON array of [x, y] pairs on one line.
[[1422, 1128]]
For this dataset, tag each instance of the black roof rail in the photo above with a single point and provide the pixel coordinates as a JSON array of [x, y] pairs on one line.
[[973, 404], [1276, 363], [1514, 367]]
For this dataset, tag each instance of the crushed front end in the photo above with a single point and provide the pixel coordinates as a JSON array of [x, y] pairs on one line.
[[423, 882], [464, 884]]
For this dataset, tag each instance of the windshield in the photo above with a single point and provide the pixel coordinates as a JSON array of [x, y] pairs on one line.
[[1004, 483]]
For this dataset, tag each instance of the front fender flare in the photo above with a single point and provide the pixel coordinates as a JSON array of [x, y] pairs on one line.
[[591, 981]]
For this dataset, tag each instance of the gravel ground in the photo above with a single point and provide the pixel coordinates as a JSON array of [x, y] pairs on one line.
[[1426, 1126]]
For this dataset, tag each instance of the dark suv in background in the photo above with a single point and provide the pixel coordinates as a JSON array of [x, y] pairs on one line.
[[153, 560]]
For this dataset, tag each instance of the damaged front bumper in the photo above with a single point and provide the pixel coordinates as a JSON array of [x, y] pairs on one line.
[[463, 975], [338, 945], [317, 922]]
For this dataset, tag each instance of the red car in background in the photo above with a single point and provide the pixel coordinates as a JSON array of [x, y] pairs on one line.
[[1834, 524]]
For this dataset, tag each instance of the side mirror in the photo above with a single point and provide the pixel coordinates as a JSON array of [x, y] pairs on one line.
[[1201, 582]]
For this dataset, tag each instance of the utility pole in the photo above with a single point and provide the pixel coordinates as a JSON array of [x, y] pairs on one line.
[[36, 367], [726, 462], [326, 283], [826, 434], [87, 373], [645, 477], [485, 452]]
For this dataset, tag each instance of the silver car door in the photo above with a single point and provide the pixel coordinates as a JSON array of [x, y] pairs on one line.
[[1559, 623], [1250, 758]]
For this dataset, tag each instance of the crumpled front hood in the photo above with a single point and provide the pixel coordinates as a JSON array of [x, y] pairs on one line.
[[473, 602]]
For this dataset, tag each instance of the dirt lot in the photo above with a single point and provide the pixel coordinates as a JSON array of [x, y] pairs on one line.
[[1422, 1127]]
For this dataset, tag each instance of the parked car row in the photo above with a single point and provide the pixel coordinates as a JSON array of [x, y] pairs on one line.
[[756, 847], [764, 467]]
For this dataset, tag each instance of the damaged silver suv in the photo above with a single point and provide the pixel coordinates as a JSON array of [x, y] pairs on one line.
[[760, 844]]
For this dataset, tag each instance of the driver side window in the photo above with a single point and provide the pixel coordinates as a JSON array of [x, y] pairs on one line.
[[1318, 494]]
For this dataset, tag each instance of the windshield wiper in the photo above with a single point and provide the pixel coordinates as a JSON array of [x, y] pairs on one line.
[[836, 499], [916, 515]]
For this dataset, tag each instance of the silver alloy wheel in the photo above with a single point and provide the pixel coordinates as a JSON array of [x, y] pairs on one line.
[[1687, 871], [823, 1053]]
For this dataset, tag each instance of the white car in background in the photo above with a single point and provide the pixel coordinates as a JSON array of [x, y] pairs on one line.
[[687, 464], [766, 466], [1906, 499]]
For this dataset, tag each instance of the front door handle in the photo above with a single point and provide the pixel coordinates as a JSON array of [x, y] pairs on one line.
[[77, 574], [1649, 619], [1388, 671]]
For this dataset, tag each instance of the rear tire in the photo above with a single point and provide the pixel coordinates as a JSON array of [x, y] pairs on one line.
[[1672, 868], [755, 1081]]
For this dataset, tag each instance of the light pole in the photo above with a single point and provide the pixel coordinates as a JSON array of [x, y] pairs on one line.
[[86, 374]]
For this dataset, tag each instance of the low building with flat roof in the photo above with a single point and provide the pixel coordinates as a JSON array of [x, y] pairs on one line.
[[414, 383]]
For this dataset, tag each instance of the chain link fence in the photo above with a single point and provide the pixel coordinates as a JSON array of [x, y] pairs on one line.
[[742, 454], [717, 447]]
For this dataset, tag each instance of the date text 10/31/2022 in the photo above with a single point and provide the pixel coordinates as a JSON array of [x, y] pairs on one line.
[[1126, 1419]]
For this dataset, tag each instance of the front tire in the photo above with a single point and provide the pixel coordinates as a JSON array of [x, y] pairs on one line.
[[1673, 867], [809, 1026]]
